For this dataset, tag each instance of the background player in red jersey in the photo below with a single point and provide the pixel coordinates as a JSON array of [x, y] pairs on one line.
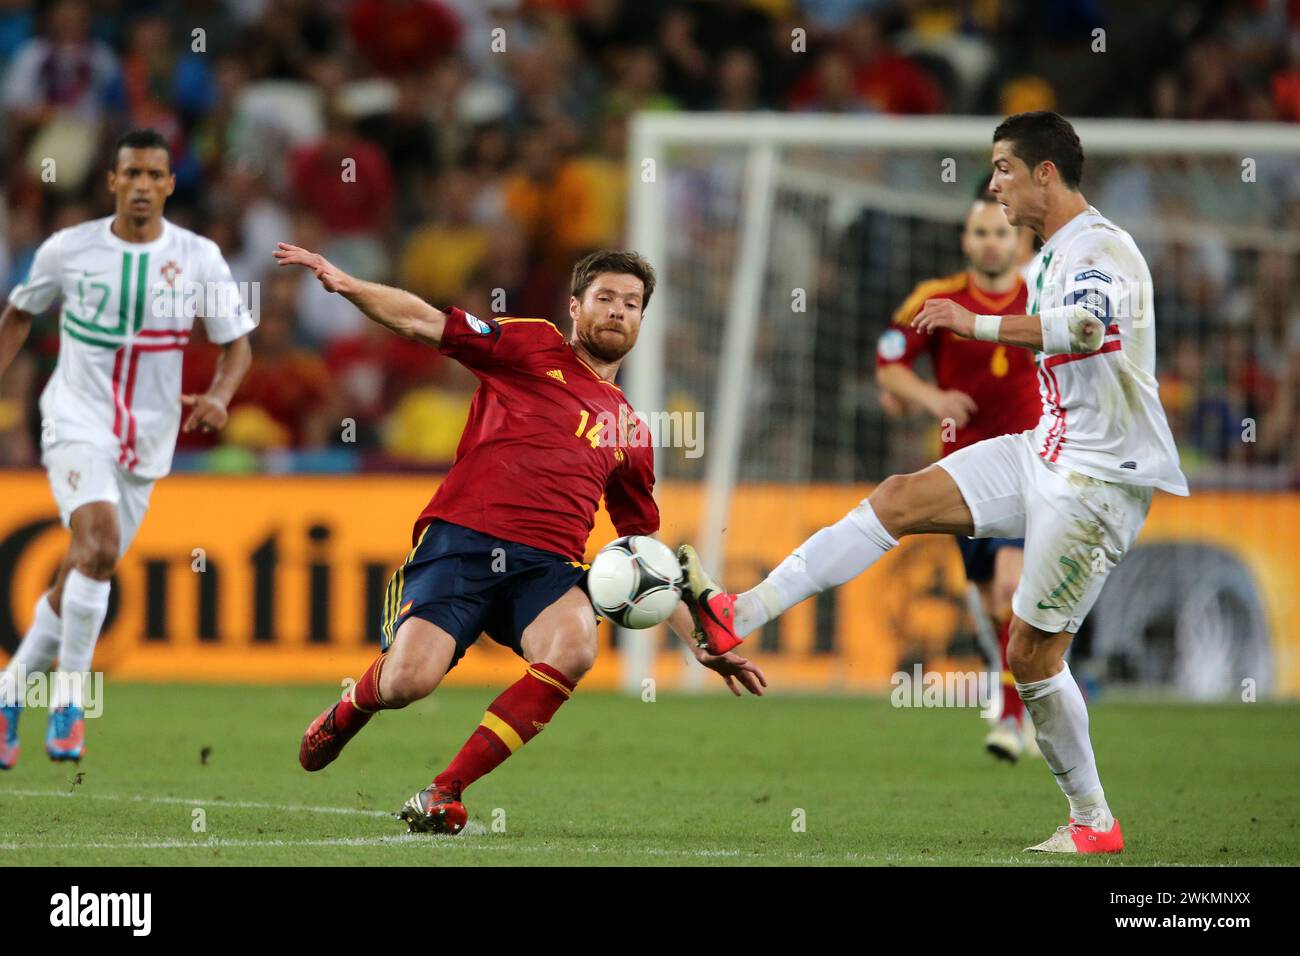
[[980, 390], [498, 549]]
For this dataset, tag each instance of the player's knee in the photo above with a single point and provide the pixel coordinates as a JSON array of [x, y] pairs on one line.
[[1019, 658], [97, 556], [573, 652], [1030, 655], [573, 661], [890, 502], [407, 680]]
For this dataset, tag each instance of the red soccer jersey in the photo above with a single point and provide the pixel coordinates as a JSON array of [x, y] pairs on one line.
[[1002, 379], [546, 438]]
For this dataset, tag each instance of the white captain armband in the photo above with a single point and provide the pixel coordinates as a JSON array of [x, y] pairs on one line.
[[1071, 328]]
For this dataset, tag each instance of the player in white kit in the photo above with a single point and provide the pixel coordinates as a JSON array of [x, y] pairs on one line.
[[1077, 487], [130, 287]]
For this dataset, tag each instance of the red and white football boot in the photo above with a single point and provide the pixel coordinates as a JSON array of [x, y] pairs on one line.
[[1076, 838], [712, 609]]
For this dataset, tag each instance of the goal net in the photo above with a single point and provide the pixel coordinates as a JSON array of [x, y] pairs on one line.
[[783, 246]]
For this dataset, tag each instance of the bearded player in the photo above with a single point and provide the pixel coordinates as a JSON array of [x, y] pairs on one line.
[[499, 547], [1077, 487], [130, 287], [980, 390]]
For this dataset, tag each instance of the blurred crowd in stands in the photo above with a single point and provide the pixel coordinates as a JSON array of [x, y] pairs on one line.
[[489, 139]]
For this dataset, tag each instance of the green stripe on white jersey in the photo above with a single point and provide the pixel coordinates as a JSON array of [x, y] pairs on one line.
[[122, 311]]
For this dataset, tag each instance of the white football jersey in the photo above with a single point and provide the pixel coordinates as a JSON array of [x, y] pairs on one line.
[[126, 314], [1102, 415]]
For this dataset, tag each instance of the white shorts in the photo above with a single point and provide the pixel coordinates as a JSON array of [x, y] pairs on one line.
[[81, 473], [1076, 528]]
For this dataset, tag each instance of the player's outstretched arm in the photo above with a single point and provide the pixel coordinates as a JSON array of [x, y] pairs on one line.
[[937, 314], [406, 314], [731, 666], [1072, 328], [15, 324], [208, 411]]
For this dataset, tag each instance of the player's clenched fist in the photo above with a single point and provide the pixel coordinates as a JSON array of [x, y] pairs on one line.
[[331, 277], [939, 314]]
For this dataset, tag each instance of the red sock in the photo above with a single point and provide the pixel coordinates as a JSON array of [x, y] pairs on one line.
[[1012, 705], [356, 708], [513, 719]]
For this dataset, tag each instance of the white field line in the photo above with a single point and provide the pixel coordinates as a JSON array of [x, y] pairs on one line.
[[473, 829], [436, 843], [207, 804], [466, 842]]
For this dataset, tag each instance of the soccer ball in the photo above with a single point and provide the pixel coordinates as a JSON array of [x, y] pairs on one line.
[[635, 581]]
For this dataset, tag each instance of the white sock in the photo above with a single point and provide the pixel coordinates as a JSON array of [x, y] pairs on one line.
[[833, 555], [1061, 717], [1091, 811], [35, 654], [85, 603]]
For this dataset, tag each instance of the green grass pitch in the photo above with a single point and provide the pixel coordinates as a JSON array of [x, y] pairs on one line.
[[684, 780]]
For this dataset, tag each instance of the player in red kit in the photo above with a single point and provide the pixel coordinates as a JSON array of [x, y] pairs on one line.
[[498, 549], [980, 390]]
